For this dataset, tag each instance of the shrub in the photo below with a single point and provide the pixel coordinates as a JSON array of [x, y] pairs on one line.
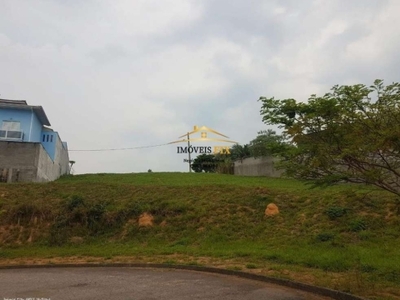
[[74, 202], [357, 225], [94, 216], [335, 212]]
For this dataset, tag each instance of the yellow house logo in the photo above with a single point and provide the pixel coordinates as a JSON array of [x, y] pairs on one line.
[[201, 134]]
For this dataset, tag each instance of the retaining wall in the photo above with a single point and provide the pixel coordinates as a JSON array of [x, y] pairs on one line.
[[29, 162]]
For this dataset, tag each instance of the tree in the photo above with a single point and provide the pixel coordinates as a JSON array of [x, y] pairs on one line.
[[205, 163], [267, 143], [350, 134], [239, 152]]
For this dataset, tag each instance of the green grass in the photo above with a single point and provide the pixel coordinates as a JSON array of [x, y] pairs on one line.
[[180, 179], [342, 230]]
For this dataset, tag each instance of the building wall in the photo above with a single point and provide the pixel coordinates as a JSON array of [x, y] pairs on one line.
[[30, 162], [47, 169], [50, 169], [262, 166], [61, 155], [20, 158], [64, 157], [49, 141], [30, 124], [37, 126]]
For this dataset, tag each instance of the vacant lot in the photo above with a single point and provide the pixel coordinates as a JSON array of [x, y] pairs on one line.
[[345, 237]]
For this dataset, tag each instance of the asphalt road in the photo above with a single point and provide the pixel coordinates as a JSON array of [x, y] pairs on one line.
[[136, 284]]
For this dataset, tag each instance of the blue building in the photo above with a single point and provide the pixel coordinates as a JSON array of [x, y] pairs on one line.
[[29, 149]]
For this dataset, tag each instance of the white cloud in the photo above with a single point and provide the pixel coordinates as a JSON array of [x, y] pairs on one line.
[[279, 10], [383, 39], [113, 74], [144, 17]]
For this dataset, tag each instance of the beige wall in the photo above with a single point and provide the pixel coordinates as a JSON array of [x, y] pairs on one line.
[[262, 166], [49, 170]]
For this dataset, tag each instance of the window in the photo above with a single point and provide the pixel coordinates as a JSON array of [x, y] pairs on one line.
[[11, 126], [44, 138], [51, 139], [11, 130]]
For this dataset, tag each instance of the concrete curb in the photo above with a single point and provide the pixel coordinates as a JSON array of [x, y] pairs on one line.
[[282, 282]]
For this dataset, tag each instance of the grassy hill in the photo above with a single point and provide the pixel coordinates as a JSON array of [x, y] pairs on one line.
[[345, 237]]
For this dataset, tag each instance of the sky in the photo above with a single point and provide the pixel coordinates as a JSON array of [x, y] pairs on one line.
[[126, 74]]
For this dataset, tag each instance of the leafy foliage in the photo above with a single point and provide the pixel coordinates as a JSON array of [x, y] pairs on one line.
[[239, 152], [267, 143], [335, 212], [357, 225], [205, 163], [350, 134]]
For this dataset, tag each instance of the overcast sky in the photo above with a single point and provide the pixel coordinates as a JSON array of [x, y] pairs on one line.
[[127, 73]]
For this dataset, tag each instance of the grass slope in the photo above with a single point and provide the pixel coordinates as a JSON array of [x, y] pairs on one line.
[[345, 237]]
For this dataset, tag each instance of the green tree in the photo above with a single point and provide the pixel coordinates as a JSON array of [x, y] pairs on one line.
[[205, 163], [350, 134], [239, 152], [267, 143]]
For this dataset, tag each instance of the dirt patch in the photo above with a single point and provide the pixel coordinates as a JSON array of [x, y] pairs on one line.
[[146, 219], [271, 210]]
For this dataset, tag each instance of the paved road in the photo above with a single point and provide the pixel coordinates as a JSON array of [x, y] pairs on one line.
[[136, 284]]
